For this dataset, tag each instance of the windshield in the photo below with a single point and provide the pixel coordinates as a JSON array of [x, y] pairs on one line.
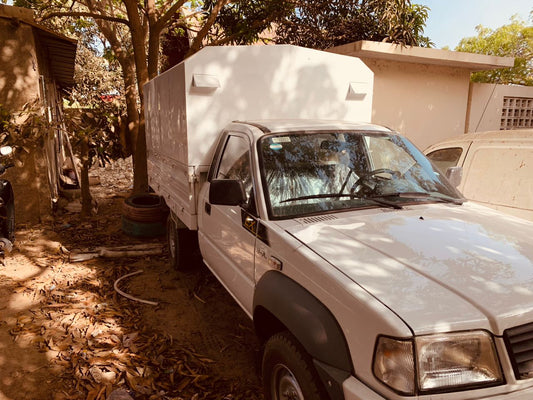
[[309, 173]]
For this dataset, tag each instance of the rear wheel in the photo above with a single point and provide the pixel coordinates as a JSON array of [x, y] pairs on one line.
[[288, 373], [182, 245]]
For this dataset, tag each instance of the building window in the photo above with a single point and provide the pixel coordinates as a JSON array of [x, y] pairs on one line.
[[517, 113]]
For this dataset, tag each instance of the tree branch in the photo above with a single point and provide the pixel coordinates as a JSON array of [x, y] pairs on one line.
[[84, 14], [228, 39], [165, 18], [197, 43]]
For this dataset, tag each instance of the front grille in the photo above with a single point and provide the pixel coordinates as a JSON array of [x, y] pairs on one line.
[[519, 341]]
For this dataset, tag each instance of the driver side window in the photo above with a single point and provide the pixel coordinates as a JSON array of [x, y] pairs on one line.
[[235, 163]]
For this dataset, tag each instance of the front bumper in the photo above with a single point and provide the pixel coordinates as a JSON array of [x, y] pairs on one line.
[[356, 390]]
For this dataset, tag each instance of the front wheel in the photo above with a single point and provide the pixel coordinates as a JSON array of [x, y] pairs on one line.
[[288, 373]]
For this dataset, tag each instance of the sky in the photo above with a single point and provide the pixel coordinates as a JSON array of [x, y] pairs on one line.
[[451, 20]]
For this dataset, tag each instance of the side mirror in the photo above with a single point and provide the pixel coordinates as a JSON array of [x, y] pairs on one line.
[[6, 150], [227, 192], [454, 175]]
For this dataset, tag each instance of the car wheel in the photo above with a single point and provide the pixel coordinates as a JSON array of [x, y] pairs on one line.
[[172, 243], [182, 244], [288, 373]]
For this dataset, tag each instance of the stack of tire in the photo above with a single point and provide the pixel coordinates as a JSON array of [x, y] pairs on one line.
[[144, 215]]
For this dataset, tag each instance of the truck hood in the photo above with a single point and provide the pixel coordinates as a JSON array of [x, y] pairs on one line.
[[438, 267]]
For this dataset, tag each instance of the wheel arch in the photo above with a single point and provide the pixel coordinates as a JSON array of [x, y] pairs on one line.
[[282, 304]]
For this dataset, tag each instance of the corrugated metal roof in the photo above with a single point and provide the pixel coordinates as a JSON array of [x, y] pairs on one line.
[[61, 54]]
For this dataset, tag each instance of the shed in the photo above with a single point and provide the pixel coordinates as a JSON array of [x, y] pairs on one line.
[[37, 67]]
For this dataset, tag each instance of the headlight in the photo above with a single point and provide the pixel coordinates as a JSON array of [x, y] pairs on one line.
[[454, 360], [444, 362]]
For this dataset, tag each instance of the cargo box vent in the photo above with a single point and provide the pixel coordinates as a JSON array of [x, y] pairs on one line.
[[203, 81], [318, 218], [519, 341]]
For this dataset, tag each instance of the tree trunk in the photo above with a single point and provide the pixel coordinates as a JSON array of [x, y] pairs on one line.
[[140, 166], [128, 72], [140, 171], [86, 198], [135, 119]]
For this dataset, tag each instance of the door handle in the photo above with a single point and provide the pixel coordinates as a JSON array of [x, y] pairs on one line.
[[207, 208]]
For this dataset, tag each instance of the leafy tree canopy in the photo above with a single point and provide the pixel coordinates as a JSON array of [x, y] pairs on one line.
[[512, 40], [242, 22], [326, 23], [134, 33]]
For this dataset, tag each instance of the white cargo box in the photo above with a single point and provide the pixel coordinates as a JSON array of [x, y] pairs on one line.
[[188, 106]]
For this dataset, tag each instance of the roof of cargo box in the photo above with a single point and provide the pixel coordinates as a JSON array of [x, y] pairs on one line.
[[188, 105], [307, 125]]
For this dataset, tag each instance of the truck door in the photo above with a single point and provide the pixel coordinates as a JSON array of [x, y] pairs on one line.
[[226, 238]]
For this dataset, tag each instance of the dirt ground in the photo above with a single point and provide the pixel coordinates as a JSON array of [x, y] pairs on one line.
[[66, 333]]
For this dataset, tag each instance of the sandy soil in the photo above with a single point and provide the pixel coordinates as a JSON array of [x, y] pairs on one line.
[[65, 333]]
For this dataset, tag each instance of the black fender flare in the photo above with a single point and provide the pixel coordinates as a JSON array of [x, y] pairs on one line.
[[310, 321]]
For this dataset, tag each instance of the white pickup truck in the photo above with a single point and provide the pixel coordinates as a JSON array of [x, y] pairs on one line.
[[367, 275]]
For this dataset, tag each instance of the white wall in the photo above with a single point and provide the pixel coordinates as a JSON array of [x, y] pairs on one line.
[[486, 104], [426, 103]]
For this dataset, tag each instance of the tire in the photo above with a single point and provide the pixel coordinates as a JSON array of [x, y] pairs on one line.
[[146, 207], [288, 372], [182, 245], [142, 229]]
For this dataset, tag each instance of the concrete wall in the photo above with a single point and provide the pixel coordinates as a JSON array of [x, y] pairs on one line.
[[19, 73], [487, 102], [426, 103], [30, 185], [20, 68]]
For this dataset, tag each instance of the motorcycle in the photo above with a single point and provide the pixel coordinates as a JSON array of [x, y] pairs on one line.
[[7, 207]]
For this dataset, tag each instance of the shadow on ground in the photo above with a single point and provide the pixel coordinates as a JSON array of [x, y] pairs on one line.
[[65, 333]]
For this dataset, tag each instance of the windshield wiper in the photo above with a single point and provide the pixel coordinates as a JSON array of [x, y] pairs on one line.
[[317, 196], [447, 199], [383, 202], [422, 195], [338, 195], [409, 195]]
